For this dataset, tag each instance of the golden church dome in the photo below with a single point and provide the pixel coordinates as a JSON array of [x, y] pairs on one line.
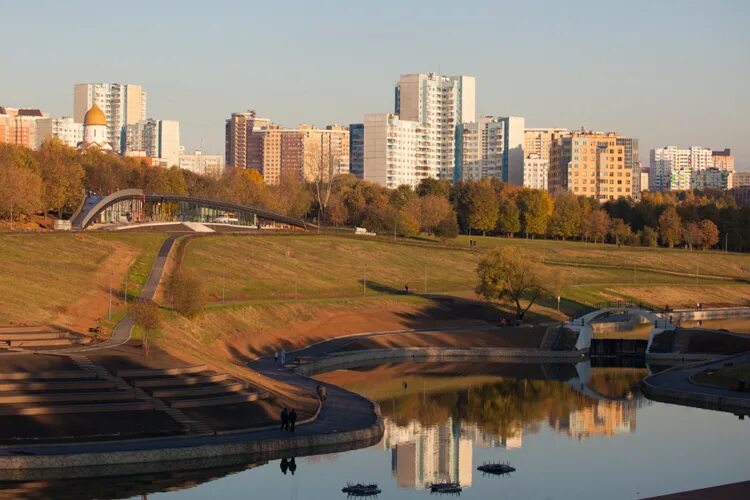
[[94, 116]]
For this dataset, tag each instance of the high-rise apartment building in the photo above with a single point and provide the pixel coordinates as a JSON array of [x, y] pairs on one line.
[[201, 163], [741, 179], [535, 172], [154, 139], [438, 104], [19, 127], [237, 129], [673, 168], [64, 129], [122, 104], [723, 160], [397, 152], [632, 161], [490, 147], [537, 141], [590, 164], [357, 150], [713, 178]]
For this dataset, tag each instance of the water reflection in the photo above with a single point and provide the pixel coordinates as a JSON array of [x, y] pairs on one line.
[[435, 414]]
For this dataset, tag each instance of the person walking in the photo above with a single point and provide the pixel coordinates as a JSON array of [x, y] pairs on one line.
[[282, 357], [284, 419], [292, 465], [292, 419], [276, 357]]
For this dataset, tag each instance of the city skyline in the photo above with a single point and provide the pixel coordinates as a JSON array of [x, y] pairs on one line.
[[641, 80]]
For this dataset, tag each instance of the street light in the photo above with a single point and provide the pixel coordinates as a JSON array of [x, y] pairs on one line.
[[110, 295]]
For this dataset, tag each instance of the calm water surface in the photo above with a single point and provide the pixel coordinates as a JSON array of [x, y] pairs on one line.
[[569, 433]]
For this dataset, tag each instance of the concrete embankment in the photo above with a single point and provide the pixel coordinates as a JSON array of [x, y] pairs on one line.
[[376, 356]]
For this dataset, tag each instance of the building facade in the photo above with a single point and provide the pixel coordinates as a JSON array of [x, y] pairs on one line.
[[397, 152], [714, 178], [65, 129], [590, 164], [490, 147], [438, 104], [154, 139], [535, 172], [723, 160], [201, 163], [19, 126], [357, 150], [741, 179], [677, 169], [537, 141], [122, 104]]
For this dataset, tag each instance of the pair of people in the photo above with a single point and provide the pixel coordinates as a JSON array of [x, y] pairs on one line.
[[288, 464], [279, 357], [288, 419]]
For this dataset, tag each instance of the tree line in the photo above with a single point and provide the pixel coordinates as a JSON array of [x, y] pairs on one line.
[[54, 178]]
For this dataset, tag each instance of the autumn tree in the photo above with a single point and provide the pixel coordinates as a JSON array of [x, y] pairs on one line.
[[514, 275], [620, 232], [709, 234], [484, 207], [565, 221], [447, 228], [62, 176], [536, 208], [188, 295], [692, 234], [320, 168], [434, 210], [147, 318], [20, 183], [649, 237], [508, 220], [599, 225], [670, 227]]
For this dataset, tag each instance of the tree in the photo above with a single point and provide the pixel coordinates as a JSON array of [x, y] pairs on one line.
[[20, 183], [599, 225], [320, 170], [670, 227], [448, 227], [484, 207], [146, 316], [514, 275], [536, 208], [337, 214], [692, 234], [620, 231], [62, 176], [188, 297], [709, 234], [429, 186], [649, 237], [434, 210], [566, 217], [508, 220]]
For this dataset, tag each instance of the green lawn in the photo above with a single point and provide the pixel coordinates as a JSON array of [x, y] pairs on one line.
[[282, 267], [42, 273]]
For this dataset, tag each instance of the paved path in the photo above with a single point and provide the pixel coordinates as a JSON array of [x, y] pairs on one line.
[[678, 378], [121, 332]]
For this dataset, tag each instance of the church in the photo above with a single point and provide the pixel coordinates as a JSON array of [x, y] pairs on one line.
[[95, 131]]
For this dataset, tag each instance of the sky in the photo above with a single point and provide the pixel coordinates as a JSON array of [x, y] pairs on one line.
[[666, 72]]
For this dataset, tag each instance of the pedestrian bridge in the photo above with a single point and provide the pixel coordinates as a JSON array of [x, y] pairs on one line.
[[135, 205], [584, 325]]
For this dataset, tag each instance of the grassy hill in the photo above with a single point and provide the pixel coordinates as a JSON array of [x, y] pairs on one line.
[[284, 267]]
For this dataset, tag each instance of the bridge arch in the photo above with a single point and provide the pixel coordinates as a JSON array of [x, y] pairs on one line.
[[94, 206], [585, 331]]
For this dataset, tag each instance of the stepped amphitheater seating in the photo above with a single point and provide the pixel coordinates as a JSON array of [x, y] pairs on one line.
[[38, 337], [191, 386], [65, 404]]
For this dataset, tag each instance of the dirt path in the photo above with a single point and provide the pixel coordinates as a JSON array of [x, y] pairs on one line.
[[92, 306]]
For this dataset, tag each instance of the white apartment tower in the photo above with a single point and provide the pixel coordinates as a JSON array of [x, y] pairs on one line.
[[439, 104], [65, 129], [491, 147], [397, 152], [678, 169], [122, 104], [154, 139]]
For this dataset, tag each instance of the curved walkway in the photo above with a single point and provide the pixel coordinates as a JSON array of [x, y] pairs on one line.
[[674, 385]]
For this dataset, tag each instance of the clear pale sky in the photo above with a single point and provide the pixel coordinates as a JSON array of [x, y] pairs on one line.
[[667, 72]]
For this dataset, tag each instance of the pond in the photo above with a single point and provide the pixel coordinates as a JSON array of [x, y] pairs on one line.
[[567, 438]]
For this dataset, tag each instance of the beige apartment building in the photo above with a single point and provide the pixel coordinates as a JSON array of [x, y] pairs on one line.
[[19, 126], [590, 164], [537, 141]]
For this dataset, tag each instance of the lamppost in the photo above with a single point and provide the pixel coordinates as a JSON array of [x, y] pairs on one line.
[[110, 296]]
